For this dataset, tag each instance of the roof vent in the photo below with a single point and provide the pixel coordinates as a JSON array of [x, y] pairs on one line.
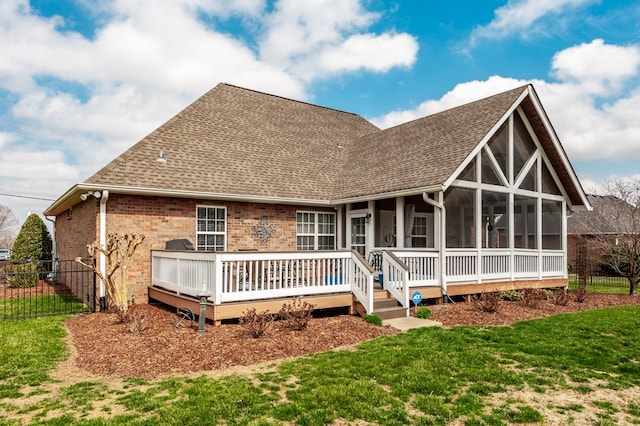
[[161, 158]]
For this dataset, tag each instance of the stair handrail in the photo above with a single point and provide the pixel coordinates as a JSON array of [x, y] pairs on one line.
[[361, 279], [395, 275]]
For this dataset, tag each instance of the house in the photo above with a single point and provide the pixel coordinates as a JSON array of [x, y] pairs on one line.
[[284, 198], [591, 233]]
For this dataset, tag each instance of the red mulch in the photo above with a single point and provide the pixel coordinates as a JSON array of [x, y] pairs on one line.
[[106, 347]]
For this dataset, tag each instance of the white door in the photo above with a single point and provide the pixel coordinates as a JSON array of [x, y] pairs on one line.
[[359, 234]]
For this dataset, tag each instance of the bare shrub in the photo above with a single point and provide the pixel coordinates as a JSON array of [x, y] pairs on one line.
[[256, 323], [133, 319], [580, 294], [487, 302], [296, 314], [560, 297], [532, 297]]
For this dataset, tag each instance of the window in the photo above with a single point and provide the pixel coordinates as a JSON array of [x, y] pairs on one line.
[[419, 234], [211, 228], [315, 231]]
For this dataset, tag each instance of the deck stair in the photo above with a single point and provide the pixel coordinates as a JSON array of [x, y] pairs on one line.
[[387, 307]]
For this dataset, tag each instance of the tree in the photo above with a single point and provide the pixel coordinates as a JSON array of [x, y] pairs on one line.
[[118, 251], [33, 242], [620, 243], [8, 227]]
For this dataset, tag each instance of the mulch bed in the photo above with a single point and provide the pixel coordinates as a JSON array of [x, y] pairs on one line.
[[106, 347]]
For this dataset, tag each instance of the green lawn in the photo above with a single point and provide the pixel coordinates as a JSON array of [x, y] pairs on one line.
[[431, 376], [42, 304]]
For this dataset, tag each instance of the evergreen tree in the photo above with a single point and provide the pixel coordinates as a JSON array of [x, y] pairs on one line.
[[33, 241]]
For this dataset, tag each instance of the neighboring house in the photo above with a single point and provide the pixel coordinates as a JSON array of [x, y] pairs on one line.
[[283, 198], [591, 232]]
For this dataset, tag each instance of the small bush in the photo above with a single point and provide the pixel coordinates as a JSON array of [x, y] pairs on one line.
[[134, 319], [487, 302], [532, 297], [256, 323], [373, 319], [560, 297], [296, 314], [511, 296], [22, 275], [580, 294], [423, 313]]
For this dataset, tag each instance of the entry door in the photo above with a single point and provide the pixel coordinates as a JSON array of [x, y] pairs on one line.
[[359, 234]]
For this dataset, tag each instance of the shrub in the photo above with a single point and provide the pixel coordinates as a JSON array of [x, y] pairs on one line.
[[33, 243], [487, 302], [296, 314], [580, 294], [373, 319], [423, 313], [133, 318], [256, 323], [511, 296], [560, 297], [22, 275], [532, 297]]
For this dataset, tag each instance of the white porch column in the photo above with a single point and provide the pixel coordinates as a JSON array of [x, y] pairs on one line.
[[347, 227], [400, 222], [340, 228], [564, 238]]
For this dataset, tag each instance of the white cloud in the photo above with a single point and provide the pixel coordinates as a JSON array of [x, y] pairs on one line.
[[317, 38], [592, 119], [518, 17], [369, 51], [598, 67]]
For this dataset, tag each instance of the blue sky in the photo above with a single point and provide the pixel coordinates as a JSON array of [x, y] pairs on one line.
[[82, 80]]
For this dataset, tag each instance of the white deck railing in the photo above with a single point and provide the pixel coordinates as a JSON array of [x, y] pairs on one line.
[[494, 264], [242, 276]]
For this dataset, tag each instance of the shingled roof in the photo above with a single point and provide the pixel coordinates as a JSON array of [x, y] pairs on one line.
[[421, 153], [236, 143], [241, 142]]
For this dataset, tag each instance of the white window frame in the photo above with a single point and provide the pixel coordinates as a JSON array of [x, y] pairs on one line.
[[316, 233], [223, 233]]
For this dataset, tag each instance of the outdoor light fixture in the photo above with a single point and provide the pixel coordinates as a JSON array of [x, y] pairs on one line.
[[96, 194]]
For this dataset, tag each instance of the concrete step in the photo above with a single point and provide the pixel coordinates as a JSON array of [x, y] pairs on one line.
[[390, 313]]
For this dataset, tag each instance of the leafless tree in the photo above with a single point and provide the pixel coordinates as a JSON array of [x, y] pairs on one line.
[[118, 250], [620, 243], [8, 227]]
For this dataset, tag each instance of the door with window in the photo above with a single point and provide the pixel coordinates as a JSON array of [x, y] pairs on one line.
[[359, 234]]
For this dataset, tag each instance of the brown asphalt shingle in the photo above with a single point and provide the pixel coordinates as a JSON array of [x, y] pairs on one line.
[[239, 142]]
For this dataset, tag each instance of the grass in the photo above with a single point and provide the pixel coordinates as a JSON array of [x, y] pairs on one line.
[[50, 304], [601, 284], [425, 376]]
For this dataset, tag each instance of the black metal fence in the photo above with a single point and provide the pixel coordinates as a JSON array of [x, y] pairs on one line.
[[596, 278], [42, 288]]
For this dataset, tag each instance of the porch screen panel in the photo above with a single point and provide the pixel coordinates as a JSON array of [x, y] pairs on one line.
[[523, 145], [499, 146], [460, 217], [495, 220], [525, 222], [551, 225], [211, 228]]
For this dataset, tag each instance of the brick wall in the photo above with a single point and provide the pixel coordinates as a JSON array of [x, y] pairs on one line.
[[163, 219]]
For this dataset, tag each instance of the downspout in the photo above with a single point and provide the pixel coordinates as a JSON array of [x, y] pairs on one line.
[[103, 241], [442, 245], [54, 254]]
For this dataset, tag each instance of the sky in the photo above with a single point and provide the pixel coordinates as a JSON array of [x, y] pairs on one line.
[[83, 80]]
